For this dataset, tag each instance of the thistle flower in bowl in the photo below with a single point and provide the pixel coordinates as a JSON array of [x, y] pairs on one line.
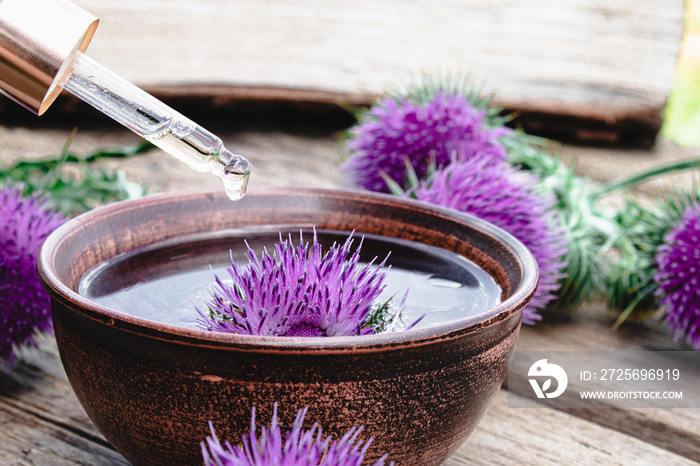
[[678, 275], [299, 291], [497, 193], [424, 132], [25, 222], [298, 447]]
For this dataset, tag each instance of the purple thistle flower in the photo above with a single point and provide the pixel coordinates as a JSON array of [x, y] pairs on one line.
[[678, 275], [396, 130], [299, 448], [508, 198], [25, 222], [296, 291]]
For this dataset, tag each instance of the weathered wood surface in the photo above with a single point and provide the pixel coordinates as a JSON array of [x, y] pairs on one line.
[[41, 421], [591, 70], [535, 435], [307, 156], [675, 429]]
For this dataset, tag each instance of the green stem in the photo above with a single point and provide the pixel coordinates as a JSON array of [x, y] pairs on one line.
[[118, 152], [633, 305], [630, 181]]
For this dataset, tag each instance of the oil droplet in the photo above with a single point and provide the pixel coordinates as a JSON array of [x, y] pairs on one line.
[[235, 184], [235, 174]]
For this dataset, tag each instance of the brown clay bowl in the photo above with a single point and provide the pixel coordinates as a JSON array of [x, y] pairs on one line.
[[151, 388]]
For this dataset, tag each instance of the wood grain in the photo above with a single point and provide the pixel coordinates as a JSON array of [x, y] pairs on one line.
[[672, 429], [590, 70], [41, 420], [579, 51], [536, 435]]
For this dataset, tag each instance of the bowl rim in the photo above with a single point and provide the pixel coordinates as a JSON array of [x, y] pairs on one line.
[[520, 296]]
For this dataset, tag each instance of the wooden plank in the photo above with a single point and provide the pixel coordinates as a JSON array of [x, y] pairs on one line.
[[38, 387], [586, 69], [583, 48], [41, 420], [278, 158], [536, 435], [675, 429], [31, 440]]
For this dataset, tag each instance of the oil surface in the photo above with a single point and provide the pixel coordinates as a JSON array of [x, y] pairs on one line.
[[165, 281]]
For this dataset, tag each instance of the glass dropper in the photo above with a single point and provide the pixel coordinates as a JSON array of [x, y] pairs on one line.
[[151, 119], [41, 51]]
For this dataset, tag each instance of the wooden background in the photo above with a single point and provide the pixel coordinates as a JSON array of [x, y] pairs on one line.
[[586, 70]]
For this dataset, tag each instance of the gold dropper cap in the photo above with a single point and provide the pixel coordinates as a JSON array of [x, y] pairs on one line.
[[37, 37]]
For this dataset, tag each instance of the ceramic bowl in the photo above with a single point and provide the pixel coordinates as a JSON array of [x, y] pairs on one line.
[[151, 388]]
